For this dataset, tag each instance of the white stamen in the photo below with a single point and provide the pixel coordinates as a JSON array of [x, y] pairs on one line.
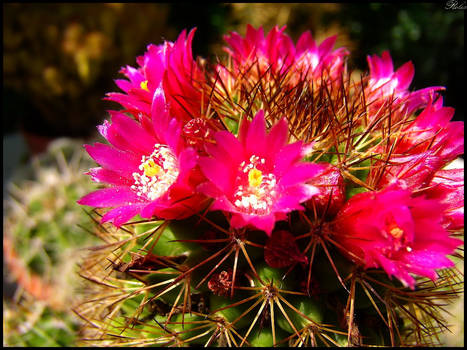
[[152, 187]]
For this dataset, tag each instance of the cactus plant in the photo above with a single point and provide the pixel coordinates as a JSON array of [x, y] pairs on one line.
[[41, 245], [272, 199]]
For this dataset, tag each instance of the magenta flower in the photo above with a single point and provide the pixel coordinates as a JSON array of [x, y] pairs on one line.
[[277, 52], [183, 79], [432, 129], [384, 84], [142, 82], [170, 66], [422, 148], [257, 177], [447, 187], [315, 60], [396, 231], [151, 172], [415, 171]]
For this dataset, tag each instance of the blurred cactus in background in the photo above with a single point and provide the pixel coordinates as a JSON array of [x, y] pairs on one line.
[[270, 198], [44, 234]]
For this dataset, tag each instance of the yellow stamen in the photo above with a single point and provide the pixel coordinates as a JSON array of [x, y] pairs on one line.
[[255, 177], [144, 85], [151, 168], [396, 232]]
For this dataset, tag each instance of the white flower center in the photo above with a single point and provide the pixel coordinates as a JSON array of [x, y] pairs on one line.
[[256, 188], [157, 173]]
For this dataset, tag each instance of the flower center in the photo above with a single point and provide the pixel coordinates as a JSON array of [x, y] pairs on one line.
[[255, 177], [157, 173], [144, 85], [396, 232], [256, 187], [399, 239], [150, 168]]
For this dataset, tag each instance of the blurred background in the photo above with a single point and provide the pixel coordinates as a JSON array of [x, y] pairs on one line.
[[59, 60]]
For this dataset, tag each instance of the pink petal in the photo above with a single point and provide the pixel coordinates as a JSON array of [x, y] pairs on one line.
[[108, 157], [387, 69], [285, 158], [129, 102], [123, 84], [209, 189], [109, 197], [230, 145], [300, 173], [326, 46], [291, 198], [392, 269], [115, 139], [187, 160], [404, 75], [217, 173], [427, 260], [277, 136], [263, 222], [134, 133], [108, 176], [121, 215], [304, 43], [256, 137]]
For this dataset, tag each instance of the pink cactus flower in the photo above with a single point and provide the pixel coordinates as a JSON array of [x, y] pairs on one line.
[[447, 187], [142, 82], [315, 60], [432, 129], [169, 65], [183, 79], [257, 177], [415, 171], [396, 231], [276, 52], [384, 84], [151, 173], [422, 148]]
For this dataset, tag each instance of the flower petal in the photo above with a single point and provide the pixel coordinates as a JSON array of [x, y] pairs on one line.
[[288, 155], [291, 198], [256, 137], [121, 215], [109, 197], [300, 173], [108, 157], [108, 176], [277, 136], [133, 133], [217, 173]]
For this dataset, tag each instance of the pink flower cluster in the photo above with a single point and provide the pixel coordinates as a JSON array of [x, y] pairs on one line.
[[167, 160], [277, 52]]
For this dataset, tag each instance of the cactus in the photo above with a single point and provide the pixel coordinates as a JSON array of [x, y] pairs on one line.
[[42, 244], [273, 199]]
